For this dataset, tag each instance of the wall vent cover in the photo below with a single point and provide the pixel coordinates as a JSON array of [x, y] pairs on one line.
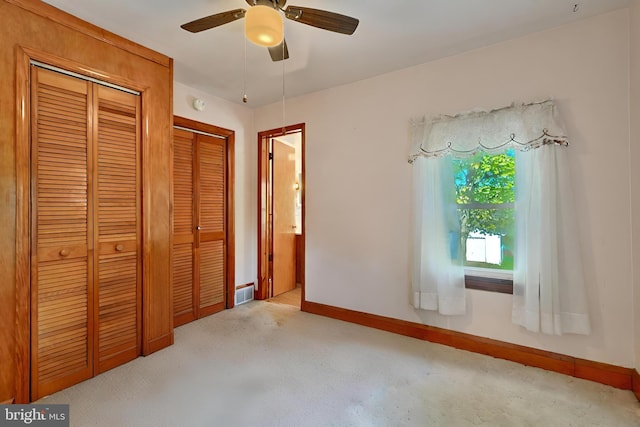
[[244, 295]]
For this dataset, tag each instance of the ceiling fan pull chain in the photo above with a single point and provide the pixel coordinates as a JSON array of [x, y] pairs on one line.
[[244, 75]]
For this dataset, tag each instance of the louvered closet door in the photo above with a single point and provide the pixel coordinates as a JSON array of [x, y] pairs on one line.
[[61, 287], [86, 234], [118, 229], [199, 230], [184, 295], [210, 216]]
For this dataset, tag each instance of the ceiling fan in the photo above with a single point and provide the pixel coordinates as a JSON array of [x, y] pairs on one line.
[[263, 24]]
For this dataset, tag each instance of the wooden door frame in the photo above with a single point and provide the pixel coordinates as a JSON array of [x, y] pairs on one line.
[[229, 136], [264, 197]]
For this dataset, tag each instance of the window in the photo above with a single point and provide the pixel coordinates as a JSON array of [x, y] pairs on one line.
[[486, 228], [485, 196]]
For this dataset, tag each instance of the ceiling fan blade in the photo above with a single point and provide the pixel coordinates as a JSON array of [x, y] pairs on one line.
[[213, 20], [322, 19], [276, 52]]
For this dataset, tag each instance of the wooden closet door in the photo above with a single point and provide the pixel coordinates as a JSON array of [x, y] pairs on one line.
[[86, 230], [210, 217], [199, 225], [62, 241], [184, 295], [118, 228]]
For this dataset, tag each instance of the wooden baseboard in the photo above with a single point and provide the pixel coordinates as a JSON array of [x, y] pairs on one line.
[[246, 285], [603, 373]]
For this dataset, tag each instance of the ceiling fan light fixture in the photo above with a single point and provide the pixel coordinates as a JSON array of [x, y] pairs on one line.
[[264, 26]]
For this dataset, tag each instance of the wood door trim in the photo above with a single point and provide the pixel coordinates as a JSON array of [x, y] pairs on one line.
[[229, 135], [158, 343], [23, 231], [75, 67], [262, 291], [84, 27]]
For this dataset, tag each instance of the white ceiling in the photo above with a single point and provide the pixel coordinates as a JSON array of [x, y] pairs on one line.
[[391, 35]]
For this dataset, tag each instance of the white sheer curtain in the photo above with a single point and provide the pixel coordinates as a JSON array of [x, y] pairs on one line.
[[549, 294], [438, 272], [548, 283]]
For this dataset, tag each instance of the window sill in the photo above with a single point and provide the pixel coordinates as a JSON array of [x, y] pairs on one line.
[[504, 286]]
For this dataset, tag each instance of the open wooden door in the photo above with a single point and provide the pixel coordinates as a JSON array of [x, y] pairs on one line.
[[281, 205], [283, 217]]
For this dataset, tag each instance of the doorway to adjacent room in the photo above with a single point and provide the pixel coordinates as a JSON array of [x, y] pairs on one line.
[[281, 215]]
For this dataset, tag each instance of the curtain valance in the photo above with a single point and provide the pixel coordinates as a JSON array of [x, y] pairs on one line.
[[523, 127]]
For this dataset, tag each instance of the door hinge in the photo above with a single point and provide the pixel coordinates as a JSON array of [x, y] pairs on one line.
[[270, 156]]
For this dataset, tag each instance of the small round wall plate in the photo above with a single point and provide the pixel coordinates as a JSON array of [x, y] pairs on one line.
[[198, 104]]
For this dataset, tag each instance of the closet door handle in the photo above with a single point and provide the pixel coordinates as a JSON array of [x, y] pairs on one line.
[[198, 227], [64, 252], [119, 248]]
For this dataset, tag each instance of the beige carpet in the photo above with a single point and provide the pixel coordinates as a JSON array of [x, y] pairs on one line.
[[264, 364]]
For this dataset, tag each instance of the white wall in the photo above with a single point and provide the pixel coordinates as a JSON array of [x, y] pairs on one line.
[[238, 118], [358, 181], [634, 158]]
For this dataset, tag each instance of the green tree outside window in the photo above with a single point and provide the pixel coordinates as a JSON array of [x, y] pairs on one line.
[[485, 194]]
